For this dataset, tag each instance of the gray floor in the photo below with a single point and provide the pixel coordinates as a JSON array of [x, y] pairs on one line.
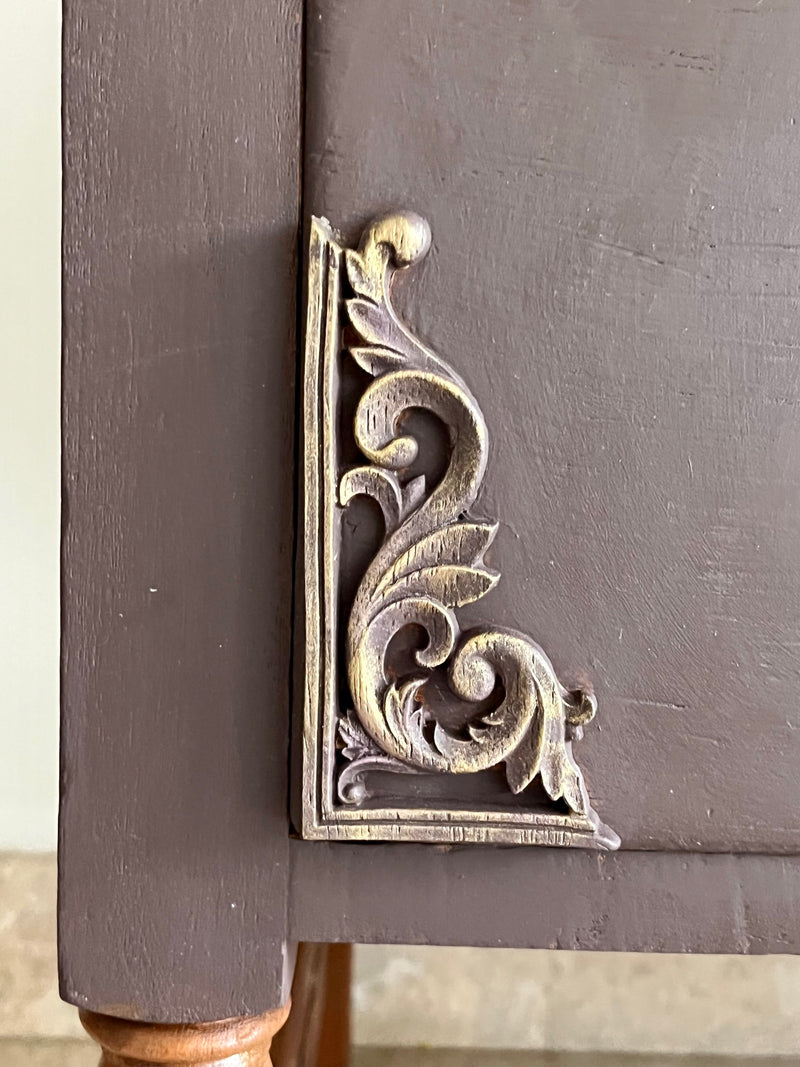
[[82, 1054], [42, 1053], [373, 1057]]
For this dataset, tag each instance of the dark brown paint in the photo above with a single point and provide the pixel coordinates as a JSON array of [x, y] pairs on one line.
[[615, 273], [546, 898], [613, 189], [181, 151]]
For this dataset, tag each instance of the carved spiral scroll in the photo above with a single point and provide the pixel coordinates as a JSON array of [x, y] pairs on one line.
[[431, 562]]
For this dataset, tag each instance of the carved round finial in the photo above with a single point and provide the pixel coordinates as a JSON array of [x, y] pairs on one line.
[[406, 233], [580, 706], [243, 1042]]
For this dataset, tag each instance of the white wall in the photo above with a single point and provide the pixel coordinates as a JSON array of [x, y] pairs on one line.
[[29, 404]]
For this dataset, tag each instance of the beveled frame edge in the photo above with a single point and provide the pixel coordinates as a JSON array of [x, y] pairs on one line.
[[309, 670]]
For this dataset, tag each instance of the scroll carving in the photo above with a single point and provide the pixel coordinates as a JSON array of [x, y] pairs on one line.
[[431, 562]]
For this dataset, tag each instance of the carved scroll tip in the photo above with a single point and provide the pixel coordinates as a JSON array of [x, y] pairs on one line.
[[606, 840], [319, 222], [581, 707], [326, 232], [405, 232]]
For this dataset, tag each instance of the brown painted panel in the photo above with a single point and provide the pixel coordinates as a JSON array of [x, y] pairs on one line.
[[179, 884], [613, 192], [181, 153]]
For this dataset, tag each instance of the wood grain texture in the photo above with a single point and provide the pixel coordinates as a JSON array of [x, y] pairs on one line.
[[335, 1047], [298, 1041], [229, 1043], [181, 163], [613, 192]]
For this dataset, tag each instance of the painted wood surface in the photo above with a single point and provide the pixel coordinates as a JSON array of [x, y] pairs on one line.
[[181, 152], [612, 189], [545, 898]]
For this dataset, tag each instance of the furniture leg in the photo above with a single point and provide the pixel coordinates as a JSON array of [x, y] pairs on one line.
[[243, 1042]]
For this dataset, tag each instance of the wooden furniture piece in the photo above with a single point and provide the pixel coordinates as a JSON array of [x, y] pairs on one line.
[[612, 189]]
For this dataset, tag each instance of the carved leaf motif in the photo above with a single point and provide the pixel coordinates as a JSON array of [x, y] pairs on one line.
[[413, 494], [524, 763], [560, 776], [571, 785], [431, 561], [376, 326], [452, 585], [383, 486], [362, 282], [375, 360], [544, 752], [403, 710], [357, 743], [462, 543]]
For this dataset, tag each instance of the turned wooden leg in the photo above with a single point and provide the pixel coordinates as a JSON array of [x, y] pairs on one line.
[[241, 1042], [318, 1031], [335, 1043]]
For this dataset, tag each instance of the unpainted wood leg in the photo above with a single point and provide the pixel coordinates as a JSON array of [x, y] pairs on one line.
[[318, 1031], [241, 1042], [334, 1050]]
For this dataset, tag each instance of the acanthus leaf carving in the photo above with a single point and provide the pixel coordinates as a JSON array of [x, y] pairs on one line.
[[431, 563]]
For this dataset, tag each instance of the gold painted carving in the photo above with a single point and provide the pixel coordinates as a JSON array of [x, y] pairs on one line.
[[429, 564]]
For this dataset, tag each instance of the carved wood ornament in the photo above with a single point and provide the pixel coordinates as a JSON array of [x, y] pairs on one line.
[[471, 739]]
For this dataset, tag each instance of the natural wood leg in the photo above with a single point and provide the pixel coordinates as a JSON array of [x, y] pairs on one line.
[[297, 1044], [231, 1042], [318, 1031], [334, 1049]]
